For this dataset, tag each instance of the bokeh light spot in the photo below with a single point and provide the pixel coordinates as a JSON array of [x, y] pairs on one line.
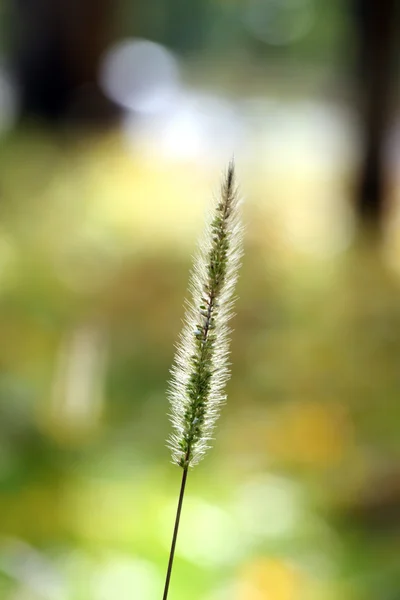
[[209, 537], [140, 75], [125, 578], [270, 507]]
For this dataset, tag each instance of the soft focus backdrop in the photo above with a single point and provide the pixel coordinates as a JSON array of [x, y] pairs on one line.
[[116, 121]]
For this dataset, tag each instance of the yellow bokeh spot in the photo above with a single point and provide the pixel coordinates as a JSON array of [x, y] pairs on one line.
[[270, 579], [310, 433]]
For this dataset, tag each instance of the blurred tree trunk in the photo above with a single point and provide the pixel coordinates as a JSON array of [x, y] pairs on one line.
[[375, 22], [55, 56]]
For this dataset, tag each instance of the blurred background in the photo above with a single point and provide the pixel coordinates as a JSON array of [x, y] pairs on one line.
[[116, 121]]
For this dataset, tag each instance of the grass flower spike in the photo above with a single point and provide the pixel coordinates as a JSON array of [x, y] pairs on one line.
[[201, 368], [200, 371]]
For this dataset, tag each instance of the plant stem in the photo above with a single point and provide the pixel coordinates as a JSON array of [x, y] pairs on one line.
[[176, 529]]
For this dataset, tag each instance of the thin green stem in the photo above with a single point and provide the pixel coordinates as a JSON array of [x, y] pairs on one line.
[[176, 529]]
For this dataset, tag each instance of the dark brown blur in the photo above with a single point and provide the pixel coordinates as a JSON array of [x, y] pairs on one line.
[[377, 32], [56, 48]]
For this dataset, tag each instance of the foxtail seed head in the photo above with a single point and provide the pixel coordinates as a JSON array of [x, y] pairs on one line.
[[201, 370]]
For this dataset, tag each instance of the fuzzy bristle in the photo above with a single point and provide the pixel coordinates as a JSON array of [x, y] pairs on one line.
[[201, 369]]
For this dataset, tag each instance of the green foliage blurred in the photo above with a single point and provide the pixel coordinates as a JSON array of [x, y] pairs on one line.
[[300, 496]]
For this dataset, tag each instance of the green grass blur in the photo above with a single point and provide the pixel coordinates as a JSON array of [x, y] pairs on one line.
[[299, 498]]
